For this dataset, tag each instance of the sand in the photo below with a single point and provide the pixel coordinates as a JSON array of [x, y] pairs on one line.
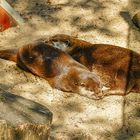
[[96, 21]]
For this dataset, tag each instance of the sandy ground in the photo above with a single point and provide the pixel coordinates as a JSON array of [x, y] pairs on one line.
[[96, 21]]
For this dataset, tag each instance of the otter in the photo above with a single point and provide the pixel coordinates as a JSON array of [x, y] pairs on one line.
[[117, 67], [56, 66]]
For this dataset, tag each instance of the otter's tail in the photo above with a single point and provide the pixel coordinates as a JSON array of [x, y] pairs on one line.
[[10, 54]]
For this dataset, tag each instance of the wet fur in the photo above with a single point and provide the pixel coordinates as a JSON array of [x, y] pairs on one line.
[[118, 68], [54, 65]]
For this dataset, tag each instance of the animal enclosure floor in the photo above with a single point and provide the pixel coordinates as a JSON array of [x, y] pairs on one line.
[[97, 21]]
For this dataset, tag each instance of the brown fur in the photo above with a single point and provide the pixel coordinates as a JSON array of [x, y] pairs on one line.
[[54, 65], [9, 54], [118, 68]]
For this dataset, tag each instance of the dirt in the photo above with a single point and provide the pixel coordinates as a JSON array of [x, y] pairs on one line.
[[97, 21]]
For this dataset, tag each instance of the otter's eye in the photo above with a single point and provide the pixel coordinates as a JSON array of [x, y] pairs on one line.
[[67, 42]]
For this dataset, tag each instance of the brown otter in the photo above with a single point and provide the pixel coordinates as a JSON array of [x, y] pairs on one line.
[[54, 65], [117, 67]]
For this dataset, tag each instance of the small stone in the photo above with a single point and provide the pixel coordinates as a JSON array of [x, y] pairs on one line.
[[136, 19]]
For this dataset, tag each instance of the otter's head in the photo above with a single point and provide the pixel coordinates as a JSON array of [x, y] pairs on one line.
[[39, 58], [67, 43], [63, 42]]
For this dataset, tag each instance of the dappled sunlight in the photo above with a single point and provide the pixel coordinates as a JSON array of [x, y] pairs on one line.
[[86, 18], [14, 105], [71, 112], [131, 127], [98, 21]]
